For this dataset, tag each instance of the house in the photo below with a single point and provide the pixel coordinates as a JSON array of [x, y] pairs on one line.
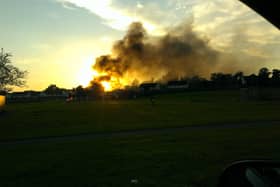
[[16, 95], [146, 87], [177, 85], [30, 95], [25, 94]]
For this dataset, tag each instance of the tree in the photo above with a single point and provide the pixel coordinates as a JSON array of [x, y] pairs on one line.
[[10, 75], [53, 90], [264, 74], [276, 77], [276, 74], [238, 75], [251, 80], [222, 80], [238, 78], [80, 93]]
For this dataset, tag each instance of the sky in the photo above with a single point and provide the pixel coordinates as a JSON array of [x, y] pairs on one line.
[[56, 41]]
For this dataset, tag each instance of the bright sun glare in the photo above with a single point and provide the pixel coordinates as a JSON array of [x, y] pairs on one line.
[[85, 74], [84, 79]]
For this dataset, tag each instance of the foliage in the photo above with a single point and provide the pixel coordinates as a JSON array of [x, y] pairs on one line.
[[263, 79], [10, 75], [53, 90], [80, 93]]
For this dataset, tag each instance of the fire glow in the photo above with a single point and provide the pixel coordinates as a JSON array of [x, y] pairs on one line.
[[108, 82], [106, 85]]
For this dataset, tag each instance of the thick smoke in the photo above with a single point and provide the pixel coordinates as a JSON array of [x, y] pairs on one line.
[[139, 58]]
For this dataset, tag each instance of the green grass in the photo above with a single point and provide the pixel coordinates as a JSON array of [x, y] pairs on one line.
[[188, 158], [28, 120], [178, 159]]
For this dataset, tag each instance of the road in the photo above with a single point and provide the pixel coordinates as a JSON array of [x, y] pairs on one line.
[[138, 132]]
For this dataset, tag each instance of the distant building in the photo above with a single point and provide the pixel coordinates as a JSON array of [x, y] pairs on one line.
[[31, 95], [21, 95], [177, 85], [149, 87]]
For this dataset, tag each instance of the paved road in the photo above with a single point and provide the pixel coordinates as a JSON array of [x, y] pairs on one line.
[[139, 132]]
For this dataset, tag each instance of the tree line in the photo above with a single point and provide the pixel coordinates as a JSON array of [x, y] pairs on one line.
[[264, 78]]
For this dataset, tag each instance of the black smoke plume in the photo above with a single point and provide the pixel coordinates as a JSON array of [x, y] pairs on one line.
[[178, 54]]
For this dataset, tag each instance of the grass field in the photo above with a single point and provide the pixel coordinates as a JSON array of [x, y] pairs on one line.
[[180, 158], [27, 120]]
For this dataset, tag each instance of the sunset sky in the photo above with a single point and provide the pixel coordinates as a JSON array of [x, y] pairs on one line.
[[56, 41]]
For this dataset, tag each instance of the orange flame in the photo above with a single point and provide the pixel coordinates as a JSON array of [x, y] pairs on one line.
[[106, 85]]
